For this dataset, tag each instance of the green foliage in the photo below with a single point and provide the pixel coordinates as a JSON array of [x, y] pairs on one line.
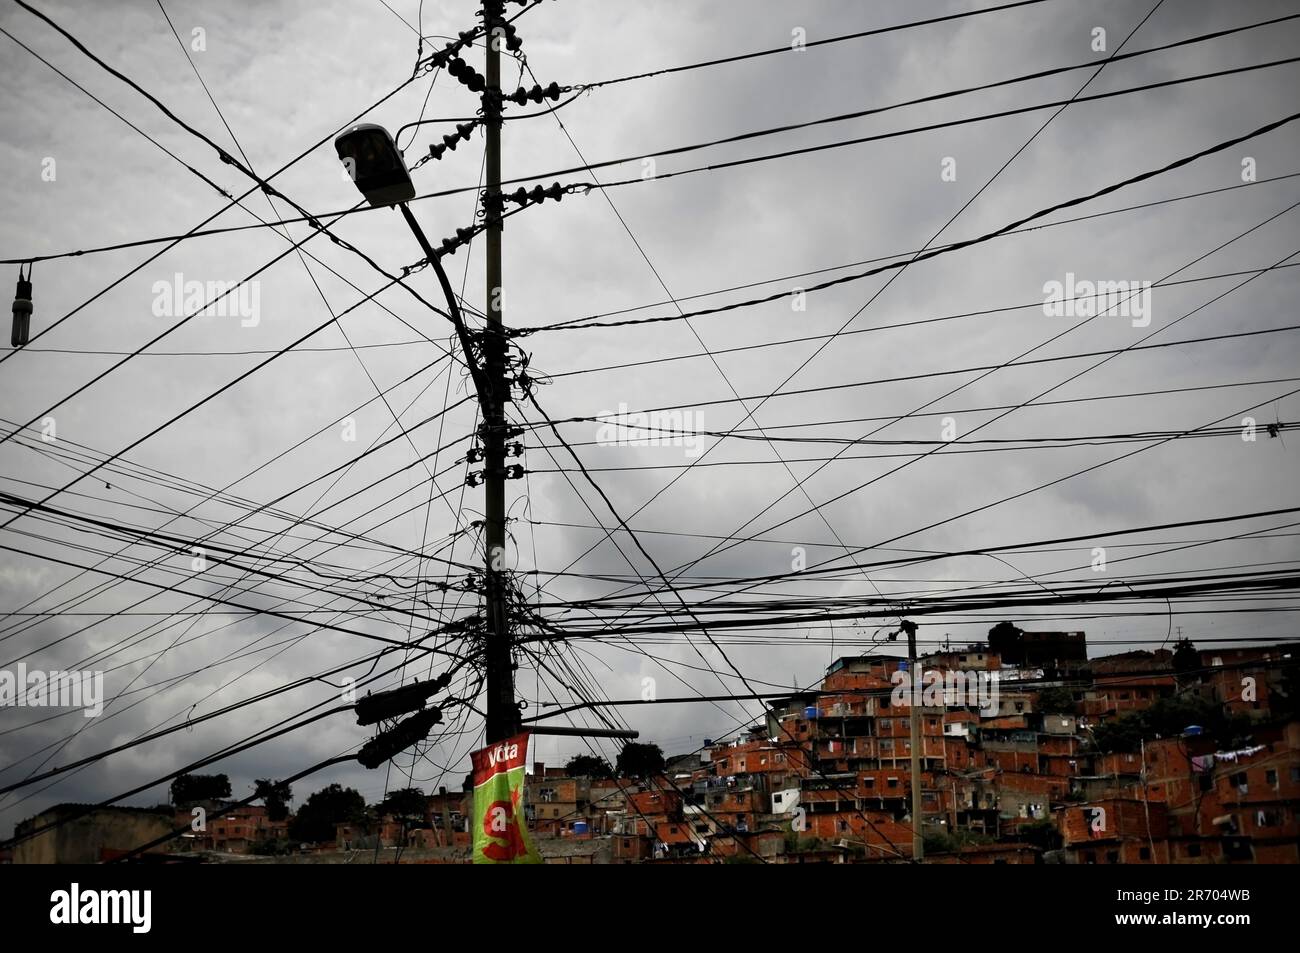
[[939, 843], [1167, 718], [1284, 702], [639, 761], [407, 802], [330, 805], [1185, 661], [945, 843], [190, 788], [588, 766], [1056, 701], [271, 848], [276, 795], [1041, 834]]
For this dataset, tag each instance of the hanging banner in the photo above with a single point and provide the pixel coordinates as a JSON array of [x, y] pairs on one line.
[[500, 828]]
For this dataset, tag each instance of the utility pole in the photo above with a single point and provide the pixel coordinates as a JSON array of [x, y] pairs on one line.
[[502, 711], [918, 843]]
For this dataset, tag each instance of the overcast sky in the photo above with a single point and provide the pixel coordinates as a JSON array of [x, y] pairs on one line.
[[287, 74]]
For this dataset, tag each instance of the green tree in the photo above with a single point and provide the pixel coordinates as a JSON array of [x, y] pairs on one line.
[[407, 802], [639, 760], [1056, 701], [1042, 834], [330, 805], [276, 795], [1168, 718], [190, 788], [1284, 700], [588, 766], [1185, 661]]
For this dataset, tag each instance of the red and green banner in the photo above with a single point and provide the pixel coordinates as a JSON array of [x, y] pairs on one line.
[[500, 829]]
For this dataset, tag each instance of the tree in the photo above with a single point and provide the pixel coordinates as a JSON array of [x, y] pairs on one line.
[[1056, 701], [1284, 701], [1004, 639], [190, 788], [639, 760], [276, 795], [1185, 661], [330, 805], [588, 766], [407, 802], [1041, 833], [1168, 718]]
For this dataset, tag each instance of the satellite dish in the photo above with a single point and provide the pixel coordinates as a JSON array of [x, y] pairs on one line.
[[375, 164]]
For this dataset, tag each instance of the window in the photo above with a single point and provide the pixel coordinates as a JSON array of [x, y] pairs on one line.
[[1193, 850], [1020, 706], [1295, 773], [1089, 857], [1144, 853], [892, 782], [1270, 777], [869, 783]]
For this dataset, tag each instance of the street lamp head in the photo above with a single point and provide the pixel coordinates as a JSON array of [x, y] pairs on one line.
[[375, 164]]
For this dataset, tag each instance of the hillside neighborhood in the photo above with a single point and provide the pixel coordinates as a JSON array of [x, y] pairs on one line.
[[1031, 752]]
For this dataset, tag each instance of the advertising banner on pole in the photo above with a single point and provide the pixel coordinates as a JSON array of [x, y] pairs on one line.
[[500, 829]]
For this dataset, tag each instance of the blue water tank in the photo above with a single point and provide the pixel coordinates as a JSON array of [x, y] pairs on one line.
[[810, 711], [579, 827]]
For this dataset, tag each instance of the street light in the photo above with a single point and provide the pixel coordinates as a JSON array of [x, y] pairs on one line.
[[375, 164], [378, 170]]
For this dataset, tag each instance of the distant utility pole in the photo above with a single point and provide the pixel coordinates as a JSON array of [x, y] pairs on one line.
[[918, 844], [502, 711]]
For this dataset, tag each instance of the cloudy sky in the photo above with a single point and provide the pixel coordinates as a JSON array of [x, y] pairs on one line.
[[287, 75]]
